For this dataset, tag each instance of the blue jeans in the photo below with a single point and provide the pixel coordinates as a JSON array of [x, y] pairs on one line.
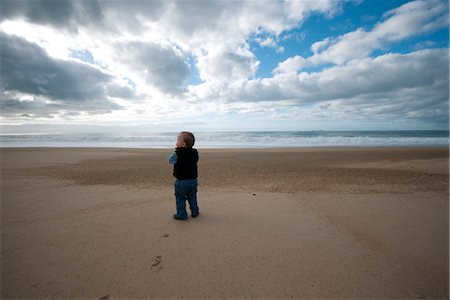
[[186, 189]]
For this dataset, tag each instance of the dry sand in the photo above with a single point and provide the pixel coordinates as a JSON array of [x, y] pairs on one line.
[[361, 222]]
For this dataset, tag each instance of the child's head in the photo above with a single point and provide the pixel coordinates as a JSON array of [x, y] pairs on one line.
[[185, 139]]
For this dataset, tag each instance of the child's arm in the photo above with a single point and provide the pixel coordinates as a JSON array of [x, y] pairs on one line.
[[172, 158]]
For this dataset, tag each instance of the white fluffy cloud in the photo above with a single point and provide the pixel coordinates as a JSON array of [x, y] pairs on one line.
[[367, 76], [292, 64], [413, 85], [227, 65]]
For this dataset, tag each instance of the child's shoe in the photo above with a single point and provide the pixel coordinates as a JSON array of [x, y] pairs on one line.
[[195, 215], [178, 218]]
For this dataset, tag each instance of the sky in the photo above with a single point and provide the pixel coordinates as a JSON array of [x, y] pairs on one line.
[[223, 65]]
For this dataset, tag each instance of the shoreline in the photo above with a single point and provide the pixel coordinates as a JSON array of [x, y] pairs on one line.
[[232, 148]]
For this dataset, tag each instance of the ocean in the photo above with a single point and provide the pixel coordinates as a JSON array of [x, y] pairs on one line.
[[237, 139]]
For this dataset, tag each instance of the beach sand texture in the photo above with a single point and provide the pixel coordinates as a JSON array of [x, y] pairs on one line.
[[335, 222]]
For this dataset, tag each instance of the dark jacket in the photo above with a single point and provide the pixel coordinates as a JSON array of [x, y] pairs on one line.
[[186, 163]]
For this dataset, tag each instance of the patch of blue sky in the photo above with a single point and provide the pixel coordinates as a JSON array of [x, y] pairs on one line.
[[131, 82], [86, 56], [318, 27], [268, 57], [194, 76], [83, 55]]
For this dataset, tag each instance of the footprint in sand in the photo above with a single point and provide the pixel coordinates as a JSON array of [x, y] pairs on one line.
[[104, 297], [156, 262], [164, 235]]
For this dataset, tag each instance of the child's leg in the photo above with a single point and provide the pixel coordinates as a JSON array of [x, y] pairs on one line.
[[180, 197], [192, 198]]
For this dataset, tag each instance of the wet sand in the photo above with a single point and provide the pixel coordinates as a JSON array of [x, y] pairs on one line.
[[337, 222]]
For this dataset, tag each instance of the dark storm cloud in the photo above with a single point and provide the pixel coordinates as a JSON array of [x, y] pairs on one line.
[[26, 68], [120, 92], [29, 109], [95, 15], [58, 13]]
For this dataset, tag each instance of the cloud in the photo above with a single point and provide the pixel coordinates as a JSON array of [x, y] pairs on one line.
[[269, 42], [28, 70], [226, 65], [413, 85], [317, 46], [162, 65], [390, 86], [292, 64], [413, 18], [61, 14]]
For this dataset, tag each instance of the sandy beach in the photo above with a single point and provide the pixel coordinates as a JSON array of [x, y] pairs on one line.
[[337, 222]]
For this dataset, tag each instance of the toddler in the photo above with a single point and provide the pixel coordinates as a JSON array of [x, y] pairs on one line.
[[184, 159]]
